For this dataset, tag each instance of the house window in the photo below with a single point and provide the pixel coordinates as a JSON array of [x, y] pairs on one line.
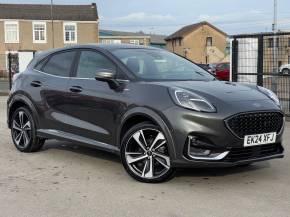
[[271, 42], [70, 33], [111, 41], [179, 41], [134, 41], [11, 32], [208, 41], [288, 42], [39, 32]]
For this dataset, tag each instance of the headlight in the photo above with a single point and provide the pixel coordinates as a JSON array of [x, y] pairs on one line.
[[270, 94], [191, 100]]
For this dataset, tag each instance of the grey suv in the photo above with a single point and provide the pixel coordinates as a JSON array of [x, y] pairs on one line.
[[157, 110]]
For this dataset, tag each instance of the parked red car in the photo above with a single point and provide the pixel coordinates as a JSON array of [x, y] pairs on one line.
[[222, 71]]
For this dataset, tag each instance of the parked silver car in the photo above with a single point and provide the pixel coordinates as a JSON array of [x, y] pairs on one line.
[[285, 69]]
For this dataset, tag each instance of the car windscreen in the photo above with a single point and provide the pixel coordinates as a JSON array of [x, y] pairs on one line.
[[150, 64]]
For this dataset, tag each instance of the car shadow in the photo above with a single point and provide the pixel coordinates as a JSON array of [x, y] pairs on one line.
[[221, 171], [181, 172], [80, 149]]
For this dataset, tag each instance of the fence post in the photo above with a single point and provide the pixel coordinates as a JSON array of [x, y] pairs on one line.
[[235, 54], [10, 69], [260, 63]]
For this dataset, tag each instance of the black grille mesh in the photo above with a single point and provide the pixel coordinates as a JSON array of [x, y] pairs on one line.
[[255, 123], [237, 154]]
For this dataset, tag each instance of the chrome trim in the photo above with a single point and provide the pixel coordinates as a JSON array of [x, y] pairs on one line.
[[220, 156], [121, 80], [49, 74]]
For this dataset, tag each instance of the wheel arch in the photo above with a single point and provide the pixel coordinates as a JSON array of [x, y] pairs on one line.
[[140, 114], [21, 101]]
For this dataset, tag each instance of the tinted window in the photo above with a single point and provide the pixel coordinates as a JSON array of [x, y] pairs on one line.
[[91, 62], [60, 64], [40, 64], [151, 64]]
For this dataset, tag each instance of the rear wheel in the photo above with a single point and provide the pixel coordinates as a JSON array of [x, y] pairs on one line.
[[145, 154], [23, 131]]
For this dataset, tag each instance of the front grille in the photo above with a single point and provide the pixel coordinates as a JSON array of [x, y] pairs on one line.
[[237, 154], [255, 123]]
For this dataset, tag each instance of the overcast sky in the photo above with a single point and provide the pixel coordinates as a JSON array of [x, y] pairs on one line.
[[167, 16]]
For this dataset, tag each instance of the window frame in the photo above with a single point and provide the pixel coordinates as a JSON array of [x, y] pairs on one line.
[[5, 31], [33, 32], [111, 41], [119, 71], [134, 41], [46, 59], [209, 39], [64, 32]]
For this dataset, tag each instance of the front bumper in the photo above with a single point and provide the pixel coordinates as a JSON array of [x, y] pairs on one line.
[[216, 164], [211, 126]]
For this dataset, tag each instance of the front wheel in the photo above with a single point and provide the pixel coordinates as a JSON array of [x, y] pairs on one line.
[[145, 154], [23, 131], [286, 72]]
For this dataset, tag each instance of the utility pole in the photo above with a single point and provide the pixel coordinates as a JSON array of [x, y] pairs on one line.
[[52, 23], [274, 29], [275, 47]]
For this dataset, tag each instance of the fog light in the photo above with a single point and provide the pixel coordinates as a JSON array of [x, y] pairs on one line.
[[197, 150]]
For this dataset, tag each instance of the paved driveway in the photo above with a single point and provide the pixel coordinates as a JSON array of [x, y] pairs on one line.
[[66, 180]]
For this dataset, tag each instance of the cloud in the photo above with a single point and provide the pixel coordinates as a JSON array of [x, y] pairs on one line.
[[144, 18], [235, 18]]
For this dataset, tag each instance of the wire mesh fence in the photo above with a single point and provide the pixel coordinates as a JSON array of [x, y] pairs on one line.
[[264, 59]]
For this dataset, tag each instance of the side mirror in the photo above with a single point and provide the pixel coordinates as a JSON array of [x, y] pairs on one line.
[[108, 76]]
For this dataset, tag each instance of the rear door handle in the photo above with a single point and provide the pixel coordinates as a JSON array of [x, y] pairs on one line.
[[36, 84], [76, 89]]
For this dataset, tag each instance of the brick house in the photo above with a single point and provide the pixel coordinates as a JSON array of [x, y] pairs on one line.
[[201, 42], [27, 28]]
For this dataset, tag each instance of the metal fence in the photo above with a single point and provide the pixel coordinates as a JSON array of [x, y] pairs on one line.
[[264, 59]]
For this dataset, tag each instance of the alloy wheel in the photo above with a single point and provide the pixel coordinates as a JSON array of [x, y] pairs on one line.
[[146, 154], [21, 129]]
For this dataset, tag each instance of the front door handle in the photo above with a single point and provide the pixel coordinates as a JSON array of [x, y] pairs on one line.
[[76, 89], [36, 84]]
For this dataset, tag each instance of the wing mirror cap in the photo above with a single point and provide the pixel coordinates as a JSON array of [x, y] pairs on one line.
[[109, 76]]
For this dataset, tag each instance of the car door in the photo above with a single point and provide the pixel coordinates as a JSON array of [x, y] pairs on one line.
[[54, 72], [94, 107]]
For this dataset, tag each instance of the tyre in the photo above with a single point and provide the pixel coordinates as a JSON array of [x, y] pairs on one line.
[[145, 154], [286, 72], [23, 131]]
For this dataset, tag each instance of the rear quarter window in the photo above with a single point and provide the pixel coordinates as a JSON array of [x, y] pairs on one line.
[[59, 64]]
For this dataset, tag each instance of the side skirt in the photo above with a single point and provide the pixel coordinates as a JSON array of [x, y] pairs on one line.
[[60, 135]]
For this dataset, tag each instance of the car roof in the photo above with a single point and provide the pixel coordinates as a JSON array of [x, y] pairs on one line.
[[108, 47]]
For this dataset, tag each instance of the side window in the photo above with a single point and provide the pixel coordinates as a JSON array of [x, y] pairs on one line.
[[60, 64], [90, 62], [40, 64]]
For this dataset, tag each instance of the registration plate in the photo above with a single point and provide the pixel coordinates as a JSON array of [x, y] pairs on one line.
[[259, 139]]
